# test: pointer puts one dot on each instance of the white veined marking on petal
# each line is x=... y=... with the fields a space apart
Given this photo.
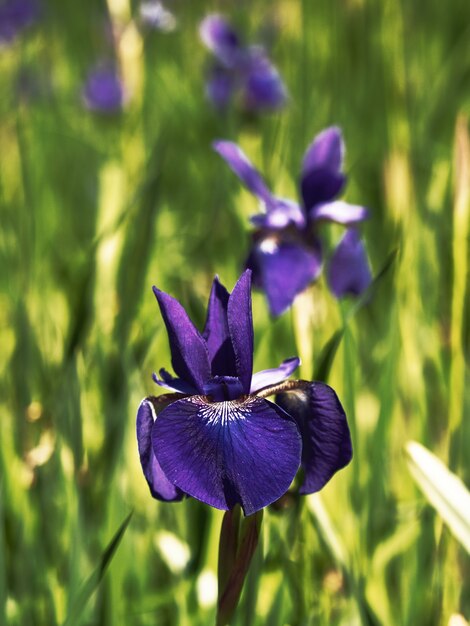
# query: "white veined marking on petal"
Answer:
x=222 y=412
x=152 y=409
x=268 y=246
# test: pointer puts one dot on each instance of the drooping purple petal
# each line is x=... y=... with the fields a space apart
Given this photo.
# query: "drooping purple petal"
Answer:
x=243 y=168
x=189 y=355
x=103 y=90
x=340 y=212
x=228 y=452
x=160 y=487
x=168 y=381
x=322 y=178
x=217 y=34
x=263 y=87
x=216 y=332
x=275 y=375
x=240 y=324
x=326 y=442
x=220 y=86
x=280 y=213
x=284 y=269
x=349 y=272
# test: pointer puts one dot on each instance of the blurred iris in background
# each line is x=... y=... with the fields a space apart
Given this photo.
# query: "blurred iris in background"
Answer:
x=156 y=16
x=103 y=90
x=16 y=16
x=286 y=255
x=217 y=437
x=239 y=72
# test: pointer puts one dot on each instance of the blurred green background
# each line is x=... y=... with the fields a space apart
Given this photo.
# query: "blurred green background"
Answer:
x=96 y=209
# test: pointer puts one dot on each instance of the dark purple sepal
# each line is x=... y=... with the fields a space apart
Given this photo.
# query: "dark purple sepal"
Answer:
x=320 y=186
x=189 y=355
x=221 y=39
x=220 y=86
x=349 y=272
x=284 y=269
x=243 y=168
x=245 y=451
x=160 y=486
x=326 y=441
x=240 y=324
x=216 y=332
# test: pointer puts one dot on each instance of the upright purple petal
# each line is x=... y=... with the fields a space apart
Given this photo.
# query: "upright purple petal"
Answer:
x=189 y=355
x=340 y=212
x=325 y=434
x=216 y=332
x=349 y=272
x=283 y=269
x=226 y=453
x=264 y=88
x=280 y=213
x=322 y=178
x=159 y=485
x=217 y=34
x=240 y=164
x=240 y=324
x=275 y=375
x=173 y=384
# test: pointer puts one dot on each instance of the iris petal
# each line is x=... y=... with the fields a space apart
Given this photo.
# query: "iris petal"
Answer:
x=159 y=485
x=340 y=212
x=221 y=39
x=220 y=86
x=243 y=168
x=189 y=355
x=216 y=332
x=240 y=323
x=325 y=434
x=280 y=213
x=224 y=453
x=263 y=87
x=265 y=378
x=349 y=272
x=284 y=269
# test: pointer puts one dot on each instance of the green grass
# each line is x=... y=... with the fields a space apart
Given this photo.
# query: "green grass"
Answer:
x=95 y=210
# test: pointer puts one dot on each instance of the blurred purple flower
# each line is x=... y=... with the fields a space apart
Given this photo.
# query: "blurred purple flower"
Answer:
x=154 y=15
x=286 y=255
x=16 y=16
x=217 y=438
x=238 y=70
x=103 y=90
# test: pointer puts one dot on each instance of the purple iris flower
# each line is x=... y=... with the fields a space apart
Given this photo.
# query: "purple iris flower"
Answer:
x=217 y=437
x=103 y=90
x=15 y=16
x=239 y=71
x=286 y=255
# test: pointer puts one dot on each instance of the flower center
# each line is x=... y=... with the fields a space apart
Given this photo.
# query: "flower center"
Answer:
x=222 y=388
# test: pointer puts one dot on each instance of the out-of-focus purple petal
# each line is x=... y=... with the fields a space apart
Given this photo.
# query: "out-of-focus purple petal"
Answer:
x=217 y=34
x=15 y=16
x=284 y=269
x=264 y=378
x=154 y=15
x=349 y=272
x=280 y=213
x=243 y=168
x=263 y=87
x=325 y=434
x=340 y=212
x=220 y=86
x=160 y=486
x=173 y=384
x=225 y=453
x=189 y=355
x=216 y=332
x=240 y=324
x=322 y=178
x=104 y=91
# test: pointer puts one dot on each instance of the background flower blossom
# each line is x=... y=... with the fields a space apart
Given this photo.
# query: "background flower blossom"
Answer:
x=286 y=255
x=16 y=16
x=239 y=71
x=103 y=90
x=217 y=437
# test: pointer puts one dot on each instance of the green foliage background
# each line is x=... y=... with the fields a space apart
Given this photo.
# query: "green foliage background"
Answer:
x=96 y=209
